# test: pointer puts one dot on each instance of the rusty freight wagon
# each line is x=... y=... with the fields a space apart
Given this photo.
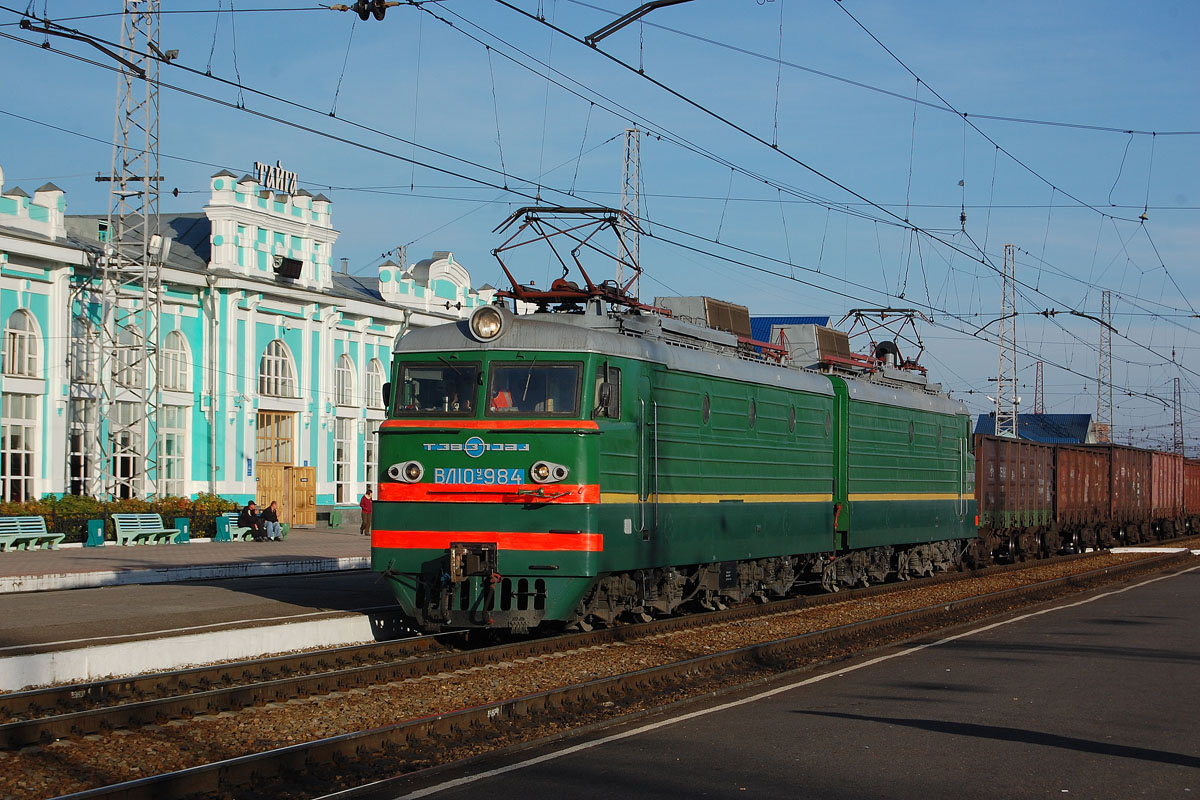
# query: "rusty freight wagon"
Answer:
x=1132 y=472
x=1082 y=498
x=1014 y=486
x=1166 y=494
x=1191 y=494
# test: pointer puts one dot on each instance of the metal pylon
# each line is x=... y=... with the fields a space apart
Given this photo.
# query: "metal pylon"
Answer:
x=1104 y=404
x=1039 y=395
x=116 y=309
x=1006 y=389
x=1178 y=425
x=631 y=179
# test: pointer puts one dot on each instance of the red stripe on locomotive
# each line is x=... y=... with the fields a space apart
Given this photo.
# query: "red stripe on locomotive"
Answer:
x=505 y=540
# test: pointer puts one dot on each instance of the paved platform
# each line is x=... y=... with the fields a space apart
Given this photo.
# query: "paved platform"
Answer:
x=87 y=613
x=1094 y=697
x=320 y=549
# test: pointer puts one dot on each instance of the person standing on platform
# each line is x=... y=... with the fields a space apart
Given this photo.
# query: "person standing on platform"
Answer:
x=249 y=519
x=270 y=521
x=365 y=505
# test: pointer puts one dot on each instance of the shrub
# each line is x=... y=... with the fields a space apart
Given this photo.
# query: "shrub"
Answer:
x=70 y=514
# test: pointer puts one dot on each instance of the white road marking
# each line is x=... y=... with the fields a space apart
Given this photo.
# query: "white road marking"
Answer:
x=469 y=779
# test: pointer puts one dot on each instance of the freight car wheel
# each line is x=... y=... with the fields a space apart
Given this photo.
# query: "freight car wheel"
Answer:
x=1087 y=540
x=1027 y=545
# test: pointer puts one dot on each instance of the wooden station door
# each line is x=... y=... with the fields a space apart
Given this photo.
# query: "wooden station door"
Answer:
x=304 y=496
x=294 y=488
x=274 y=483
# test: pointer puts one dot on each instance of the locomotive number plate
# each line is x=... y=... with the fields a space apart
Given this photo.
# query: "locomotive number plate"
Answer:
x=489 y=476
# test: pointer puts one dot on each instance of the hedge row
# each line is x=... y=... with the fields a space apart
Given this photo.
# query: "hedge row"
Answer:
x=70 y=514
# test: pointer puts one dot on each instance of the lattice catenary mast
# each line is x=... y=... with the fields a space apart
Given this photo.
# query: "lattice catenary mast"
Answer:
x=1006 y=389
x=1178 y=425
x=1039 y=395
x=117 y=310
x=631 y=180
x=1104 y=404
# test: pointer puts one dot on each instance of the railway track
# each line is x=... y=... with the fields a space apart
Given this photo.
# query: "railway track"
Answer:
x=451 y=730
x=41 y=716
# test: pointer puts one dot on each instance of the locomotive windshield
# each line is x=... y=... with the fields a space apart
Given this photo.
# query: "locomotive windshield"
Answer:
x=537 y=389
x=438 y=388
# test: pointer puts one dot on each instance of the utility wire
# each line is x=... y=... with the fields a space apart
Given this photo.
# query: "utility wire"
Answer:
x=859 y=84
x=380 y=151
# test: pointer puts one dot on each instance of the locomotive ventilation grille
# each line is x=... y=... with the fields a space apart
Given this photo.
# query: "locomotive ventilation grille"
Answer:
x=511 y=594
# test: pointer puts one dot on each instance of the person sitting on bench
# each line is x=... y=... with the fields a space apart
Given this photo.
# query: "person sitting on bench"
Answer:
x=270 y=521
x=249 y=518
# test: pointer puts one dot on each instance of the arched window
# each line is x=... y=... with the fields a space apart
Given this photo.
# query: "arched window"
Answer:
x=275 y=371
x=176 y=363
x=375 y=384
x=128 y=358
x=21 y=346
x=343 y=382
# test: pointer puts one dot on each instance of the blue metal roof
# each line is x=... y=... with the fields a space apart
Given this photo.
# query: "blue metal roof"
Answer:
x=1048 y=428
x=760 y=327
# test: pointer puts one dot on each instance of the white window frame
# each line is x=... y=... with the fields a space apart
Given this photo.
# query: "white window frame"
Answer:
x=276 y=371
x=343 y=459
x=85 y=351
x=173 y=436
x=344 y=381
x=126 y=452
x=127 y=359
x=18 y=426
x=370 y=453
x=176 y=363
x=21 y=345
x=81 y=458
x=375 y=381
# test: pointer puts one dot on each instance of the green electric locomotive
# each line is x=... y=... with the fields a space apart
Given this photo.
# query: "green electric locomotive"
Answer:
x=598 y=458
x=574 y=467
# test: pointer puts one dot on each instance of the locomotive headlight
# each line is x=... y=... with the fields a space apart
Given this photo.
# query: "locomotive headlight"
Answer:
x=487 y=322
x=548 y=472
x=409 y=471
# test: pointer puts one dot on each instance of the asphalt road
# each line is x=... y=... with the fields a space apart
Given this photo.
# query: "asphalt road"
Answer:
x=1095 y=698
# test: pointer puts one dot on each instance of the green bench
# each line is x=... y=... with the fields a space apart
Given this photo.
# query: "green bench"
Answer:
x=27 y=533
x=229 y=531
x=143 y=529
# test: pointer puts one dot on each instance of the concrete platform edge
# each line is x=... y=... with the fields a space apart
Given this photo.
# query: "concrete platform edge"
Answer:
x=150 y=655
x=198 y=572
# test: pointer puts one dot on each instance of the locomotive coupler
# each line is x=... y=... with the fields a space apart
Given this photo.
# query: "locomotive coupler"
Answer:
x=468 y=559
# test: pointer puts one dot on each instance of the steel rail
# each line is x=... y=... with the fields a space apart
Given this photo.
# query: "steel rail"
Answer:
x=502 y=719
x=84 y=709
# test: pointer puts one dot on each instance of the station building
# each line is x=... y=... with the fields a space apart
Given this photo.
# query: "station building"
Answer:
x=271 y=378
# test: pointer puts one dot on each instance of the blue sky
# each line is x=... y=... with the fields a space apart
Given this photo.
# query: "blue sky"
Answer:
x=806 y=245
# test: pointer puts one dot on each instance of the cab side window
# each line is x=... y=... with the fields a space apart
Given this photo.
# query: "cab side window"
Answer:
x=607 y=397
